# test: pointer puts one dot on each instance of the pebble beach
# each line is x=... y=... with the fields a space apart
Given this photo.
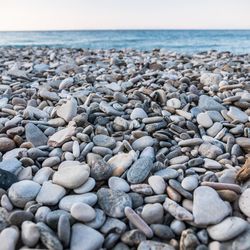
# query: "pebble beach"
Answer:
x=124 y=149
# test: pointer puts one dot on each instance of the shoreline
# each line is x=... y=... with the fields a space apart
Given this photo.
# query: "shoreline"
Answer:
x=124 y=149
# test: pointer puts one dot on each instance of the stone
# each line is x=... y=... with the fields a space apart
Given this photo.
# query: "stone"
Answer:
x=177 y=211
x=154 y=245
x=153 y=213
x=162 y=231
x=190 y=182
x=88 y=237
x=139 y=171
x=157 y=183
x=17 y=217
x=7 y=179
x=208 y=208
x=86 y=187
x=50 y=193
x=6 y=144
x=244 y=143
x=30 y=233
x=167 y=173
x=82 y=212
x=177 y=226
x=108 y=109
x=237 y=114
x=215 y=129
x=209 y=150
x=211 y=164
x=190 y=142
x=143 y=142
x=35 y=135
x=48 y=237
x=116 y=183
x=138 y=113
x=208 y=103
x=67 y=201
x=68 y=110
x=174 y=103
x=210 y=79
x=98 y=221
x=244 y=202
x=113 y=202
x=227 y=229
x=71 y=174
x=66 y=83
x=22 y=192
x=11 y=165
x=64 y=230
x=133 y=237
x=61 y=136
x=9 y=238
x=204 y=120
x=104 y=141
x=100 y=170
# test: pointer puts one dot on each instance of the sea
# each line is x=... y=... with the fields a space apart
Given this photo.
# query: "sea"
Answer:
x=188 y=41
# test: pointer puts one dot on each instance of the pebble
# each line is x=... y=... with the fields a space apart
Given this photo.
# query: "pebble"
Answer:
x=35 y=135
x=204 y=120
x=68 y=110
x=22 y=192
x=153 y=213
x=119 y=184
x=100 y=170
x=6 y=144
x=143 y=142
x=139 y=171
x=6 y=179
x=50 y=193
x=237 y=114
x=86 y=187
x=204 y=213
x=174 y=103
x=153 y=245
x=113 y=202
x=244 y=202
x=82 y=212
x=30 y=233
x=227 y=229
x=138 y=113
x=71 y=174
x=88 y=237
x=64 y=230
x=157 y=183
x=9 y=238
x=190 y=182
x=104 y=141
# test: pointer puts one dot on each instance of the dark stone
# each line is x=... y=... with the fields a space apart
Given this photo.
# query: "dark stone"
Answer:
x=6 y=179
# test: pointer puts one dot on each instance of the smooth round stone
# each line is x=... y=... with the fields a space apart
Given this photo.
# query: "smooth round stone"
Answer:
x=86 y=187
x=67 y=201
x=215 y=116
x=143 y=142
x=22 y=192
x=209 y=150
x=30 y=234
x=119 y=184
x=100 y=170
x=6 y=144
x=113 y=202
x=53 y=217
x=137 y=199
x=17 y=217
x=204 y=120
x=209 y=103
x=237 y=114
x=227 y=229
x=153 y=245
x=162 y=231
x=138 y=113
x=179 y=160
x=8 y=238
x=35 y=135
x=139 y=171
x=211 y=164
x=11 y=165
x=68 y=110
x=42 y=213
x=99 y=219
x=190 y=182
x=133 y=237
x=215 y=129
x=7 y=179
x=148 y=152
x=104 y=141
x=82 y=212
x=64 y=230
x=153 y=213
x=227 y=195
x=51 y=161
x=190 y=142
x=157 y=183
x=50 y=194
x=244 y=202
x=43 y=175
x=167 y=173
x=71 y=174
x=208 y=207
x=5 y=202
x=174 y=103
x=210 y=79
x=177 y=226
x=88 y=237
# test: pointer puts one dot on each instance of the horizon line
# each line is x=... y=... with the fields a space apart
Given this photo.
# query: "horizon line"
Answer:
x=131 y=29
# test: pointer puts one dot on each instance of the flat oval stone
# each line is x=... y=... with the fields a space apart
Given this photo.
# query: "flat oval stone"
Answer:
x=30 y=233
x=88 y=237
x=174 y=103
x=82 y=212
x=153 y=213
x=22 y=192
x=190 y=182
x=153 y=245
x=64 y=230
x=143 y=142
x=138 y=113
x=204 y=120
x=68 y=110
x=113 y=202
x=244 y=202
x=104 y=141
x=6 y=144
x=227 y=229
x=116 y=183
x=86 y=187
x=157 y=183
x=98 y=221
x=9 y=238
x=17 y=217
x=139 y=171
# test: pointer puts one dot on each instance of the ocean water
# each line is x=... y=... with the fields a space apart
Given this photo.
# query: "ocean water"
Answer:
x=236 y=41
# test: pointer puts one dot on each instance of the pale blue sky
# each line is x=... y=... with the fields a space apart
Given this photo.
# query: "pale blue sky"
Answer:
x=124 y=14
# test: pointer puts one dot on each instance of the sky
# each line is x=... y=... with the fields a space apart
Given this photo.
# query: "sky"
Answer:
x=123 y=14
